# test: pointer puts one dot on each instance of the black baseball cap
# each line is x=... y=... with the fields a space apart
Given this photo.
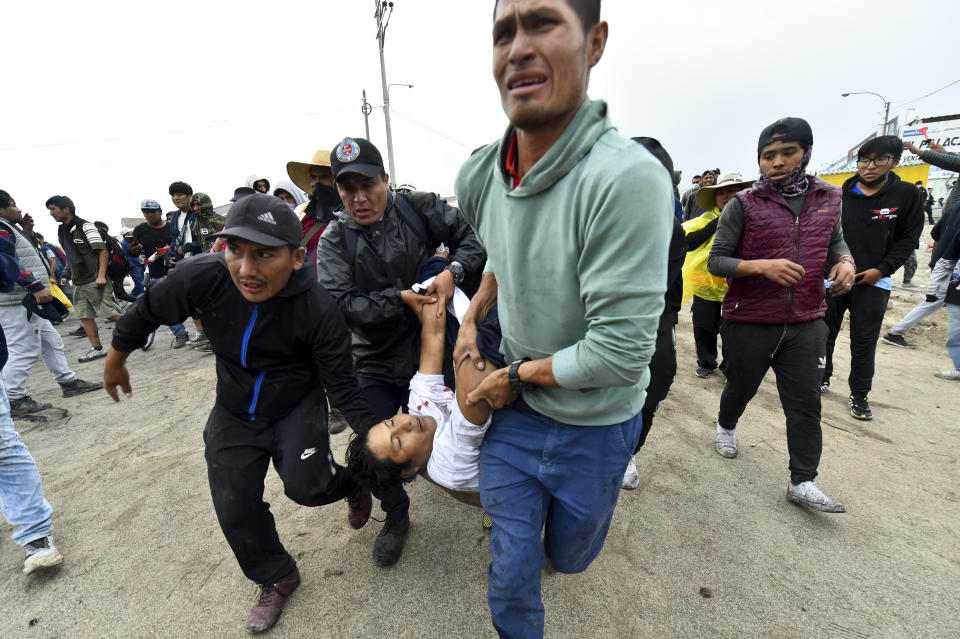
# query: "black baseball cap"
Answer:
x=786 y=130
x=356 y=155
x=263 y=219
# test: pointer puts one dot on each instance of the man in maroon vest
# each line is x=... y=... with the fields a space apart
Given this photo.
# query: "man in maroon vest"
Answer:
x=772 y=244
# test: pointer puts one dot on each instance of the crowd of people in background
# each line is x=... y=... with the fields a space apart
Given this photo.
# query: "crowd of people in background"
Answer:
x=334 y=288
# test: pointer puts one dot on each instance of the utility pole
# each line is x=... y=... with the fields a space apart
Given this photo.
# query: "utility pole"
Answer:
x=366 y=109
x=383 y=11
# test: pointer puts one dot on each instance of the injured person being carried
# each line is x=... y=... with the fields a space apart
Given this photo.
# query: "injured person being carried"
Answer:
x=440 y=435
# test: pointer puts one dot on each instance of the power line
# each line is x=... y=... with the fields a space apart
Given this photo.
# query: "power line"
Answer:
x=903 y=104
x=432 y=130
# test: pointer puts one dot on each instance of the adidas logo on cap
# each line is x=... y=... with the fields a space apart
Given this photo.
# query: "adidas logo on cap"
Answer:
x=267 y=217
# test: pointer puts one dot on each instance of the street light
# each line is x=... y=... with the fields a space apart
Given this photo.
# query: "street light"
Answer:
x=886 y=106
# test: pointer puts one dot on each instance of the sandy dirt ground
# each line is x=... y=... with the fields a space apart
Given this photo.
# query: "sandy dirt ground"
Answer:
x=144 y=556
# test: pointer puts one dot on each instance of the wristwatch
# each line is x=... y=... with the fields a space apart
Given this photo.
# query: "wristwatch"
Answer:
x=513 y=376
x=457 y=270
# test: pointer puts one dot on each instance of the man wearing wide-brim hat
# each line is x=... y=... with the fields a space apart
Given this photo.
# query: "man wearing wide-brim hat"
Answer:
x=707 y=290
x=315 y=178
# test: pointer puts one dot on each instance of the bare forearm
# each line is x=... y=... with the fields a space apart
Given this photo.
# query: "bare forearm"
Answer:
x=538 y=372
x=483 y=301
x=103 y=258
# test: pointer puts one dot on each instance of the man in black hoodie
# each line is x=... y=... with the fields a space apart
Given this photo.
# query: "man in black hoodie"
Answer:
x=882 y=219
x=280 y=342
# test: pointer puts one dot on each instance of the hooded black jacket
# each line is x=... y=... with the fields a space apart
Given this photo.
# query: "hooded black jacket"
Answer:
x=386 y=334
x=882 y=229
x=269 y=355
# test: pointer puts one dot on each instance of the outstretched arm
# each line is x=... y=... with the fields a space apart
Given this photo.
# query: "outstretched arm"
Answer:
x=433 y=321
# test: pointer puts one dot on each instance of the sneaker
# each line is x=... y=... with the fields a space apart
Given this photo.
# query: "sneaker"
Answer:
x=92 y=354
x=860 y=408
x=726 y=442
x=40 y=553
x=908 y=285
x=199 y=338
x=79 y=332
x=896 y=340
x=953 y=373
x=150 y=338
x=825 y=386
x=704 y=373
x=631 y=478
x=360 y=506
x=389 y=543
x=486 y=522
x=807 y=494
x=269 y=602
x=179 y=341
x=205 y=347
x=79 y=387
x=26 y=405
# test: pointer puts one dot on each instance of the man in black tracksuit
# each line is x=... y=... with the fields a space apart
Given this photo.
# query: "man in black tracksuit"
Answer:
x=280 y=343
x=368 y=259
x=882 y=220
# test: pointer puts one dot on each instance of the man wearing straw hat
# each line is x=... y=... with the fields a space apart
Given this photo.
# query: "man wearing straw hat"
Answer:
x=316 y=179
x=707 y=290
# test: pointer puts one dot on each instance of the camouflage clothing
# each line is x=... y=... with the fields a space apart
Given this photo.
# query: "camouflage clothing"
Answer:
x=206 y=221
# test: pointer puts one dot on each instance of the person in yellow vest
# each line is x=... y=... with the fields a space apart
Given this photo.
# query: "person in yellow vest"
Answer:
x=707 y=290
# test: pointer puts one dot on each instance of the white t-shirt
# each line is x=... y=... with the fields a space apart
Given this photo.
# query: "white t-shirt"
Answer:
x=455 y=461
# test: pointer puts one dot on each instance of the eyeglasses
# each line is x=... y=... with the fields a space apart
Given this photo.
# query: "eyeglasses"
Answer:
x=880 y=161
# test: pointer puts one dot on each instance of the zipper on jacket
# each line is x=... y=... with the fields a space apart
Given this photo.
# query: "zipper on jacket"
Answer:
x=244 y=344
x=796 y=260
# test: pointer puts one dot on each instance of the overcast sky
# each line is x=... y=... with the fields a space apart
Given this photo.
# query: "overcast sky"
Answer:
x=108 y=102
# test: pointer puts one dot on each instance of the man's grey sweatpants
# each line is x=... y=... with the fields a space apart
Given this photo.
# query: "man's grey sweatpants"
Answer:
x=916 y=314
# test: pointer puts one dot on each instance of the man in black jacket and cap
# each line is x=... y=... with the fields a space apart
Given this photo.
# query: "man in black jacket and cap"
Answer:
x=368 y=259
x=280 y=342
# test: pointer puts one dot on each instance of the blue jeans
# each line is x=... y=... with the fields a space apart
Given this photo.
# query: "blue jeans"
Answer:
x=136 y=274
x=21 y=495
x=953 y=333
x=539 y=474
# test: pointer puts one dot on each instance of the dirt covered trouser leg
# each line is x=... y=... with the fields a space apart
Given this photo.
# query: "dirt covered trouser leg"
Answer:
x=797 y=354
x=238 y=452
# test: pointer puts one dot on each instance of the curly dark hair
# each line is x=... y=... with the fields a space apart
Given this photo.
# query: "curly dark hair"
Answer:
x=374 y=473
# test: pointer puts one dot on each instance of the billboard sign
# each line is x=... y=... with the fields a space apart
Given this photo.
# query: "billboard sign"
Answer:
x=946 y=134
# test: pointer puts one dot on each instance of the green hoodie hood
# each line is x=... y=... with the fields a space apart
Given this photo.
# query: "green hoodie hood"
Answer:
x=577 y=140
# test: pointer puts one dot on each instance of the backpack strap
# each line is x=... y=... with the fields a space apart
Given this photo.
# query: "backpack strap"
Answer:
x=413 y=219
x=350 y=238
x=312 y=232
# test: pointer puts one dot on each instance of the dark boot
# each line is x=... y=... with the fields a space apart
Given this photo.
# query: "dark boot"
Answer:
x=389 y=543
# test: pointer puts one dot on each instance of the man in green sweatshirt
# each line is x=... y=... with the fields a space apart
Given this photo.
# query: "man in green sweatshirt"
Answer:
x=576 y=220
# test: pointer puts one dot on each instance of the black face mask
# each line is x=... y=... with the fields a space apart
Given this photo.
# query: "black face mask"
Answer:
x=872 y=183
x=323 y=203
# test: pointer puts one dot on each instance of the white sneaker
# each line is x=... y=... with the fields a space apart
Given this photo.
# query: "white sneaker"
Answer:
x=40 y=553
x=631 y=478
x=953 y=374
x=807 y=494
x=92 y=354
x=726 y=442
